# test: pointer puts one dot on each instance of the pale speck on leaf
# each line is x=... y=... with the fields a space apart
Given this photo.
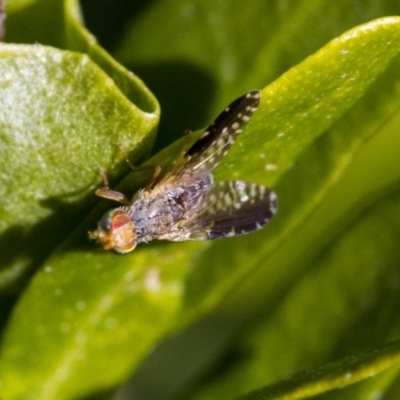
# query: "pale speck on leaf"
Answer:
x=129 y=276
x=152 y=280
x=80 y=338
x=80 y=305
x=271 y=167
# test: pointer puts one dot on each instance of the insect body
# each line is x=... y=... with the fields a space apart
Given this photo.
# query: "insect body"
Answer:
x=185 y=203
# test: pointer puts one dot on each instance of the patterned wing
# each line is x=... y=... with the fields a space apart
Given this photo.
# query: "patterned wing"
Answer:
x=211 y=148
x=232 y=208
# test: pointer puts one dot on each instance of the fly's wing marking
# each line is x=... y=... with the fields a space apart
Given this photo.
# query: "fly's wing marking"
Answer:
x=211 y=148
x=232 y=208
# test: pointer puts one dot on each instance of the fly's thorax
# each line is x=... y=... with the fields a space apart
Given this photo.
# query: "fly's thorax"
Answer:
x=155 y=216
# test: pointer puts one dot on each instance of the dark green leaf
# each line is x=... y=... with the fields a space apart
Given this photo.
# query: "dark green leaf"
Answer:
x=34 y=21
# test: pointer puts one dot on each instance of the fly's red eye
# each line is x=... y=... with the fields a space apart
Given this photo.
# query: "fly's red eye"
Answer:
x=118 y=219
x=117 y=231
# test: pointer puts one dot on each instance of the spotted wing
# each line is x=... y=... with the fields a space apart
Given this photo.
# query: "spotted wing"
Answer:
x=232 y=208
x=211 y=148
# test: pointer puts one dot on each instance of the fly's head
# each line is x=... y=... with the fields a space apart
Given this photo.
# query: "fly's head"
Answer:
x=116 y=231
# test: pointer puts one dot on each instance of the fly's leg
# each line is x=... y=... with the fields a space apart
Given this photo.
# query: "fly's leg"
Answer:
x=106 y=193
x=156 y=168
x=186 y=144
x=154 y=177
x=125 y=156
x=183 y=157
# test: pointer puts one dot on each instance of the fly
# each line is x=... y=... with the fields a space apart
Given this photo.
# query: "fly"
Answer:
x=186 y=203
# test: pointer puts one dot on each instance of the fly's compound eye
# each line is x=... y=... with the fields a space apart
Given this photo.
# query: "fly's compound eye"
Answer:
x=116 y=231
x=106 y=219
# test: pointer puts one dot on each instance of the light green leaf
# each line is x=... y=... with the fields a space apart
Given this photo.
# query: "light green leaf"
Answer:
x=60 y=120
x=333 y=376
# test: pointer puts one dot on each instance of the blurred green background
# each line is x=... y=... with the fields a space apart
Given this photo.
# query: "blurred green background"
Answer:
x=307 y=307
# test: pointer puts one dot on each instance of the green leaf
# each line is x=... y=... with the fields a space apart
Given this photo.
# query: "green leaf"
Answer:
x=60 y=120
x=96 y=315
x=335 y=375
x=34 y=21
x=39 y=21
x=336 y=299
x=80 y=39
x=107 y=320
x=221 y=50
x=277 y=135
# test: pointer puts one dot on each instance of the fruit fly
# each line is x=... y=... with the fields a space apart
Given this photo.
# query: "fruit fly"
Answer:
x=186 y=203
